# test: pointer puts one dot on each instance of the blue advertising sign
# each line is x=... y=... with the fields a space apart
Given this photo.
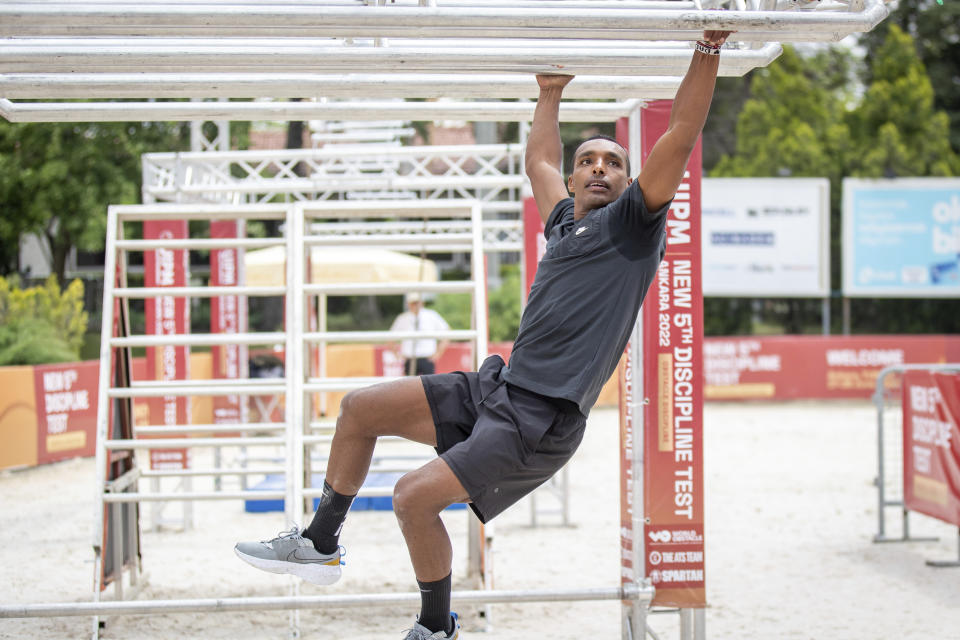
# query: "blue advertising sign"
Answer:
x=901 y=237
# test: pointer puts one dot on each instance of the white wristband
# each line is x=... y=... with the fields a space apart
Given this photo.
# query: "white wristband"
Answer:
x=707 y=48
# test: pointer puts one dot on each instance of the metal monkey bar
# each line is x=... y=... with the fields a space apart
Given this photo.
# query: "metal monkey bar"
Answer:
x=424 y=49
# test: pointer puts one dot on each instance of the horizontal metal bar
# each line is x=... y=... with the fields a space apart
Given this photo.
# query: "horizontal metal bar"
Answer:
x=205 y=382
x=199 y=243
x=189 y=497
x=189 y=390
x=233 y=471
x=142 y=607
x=302 y=85
x=270 y=110
x=175 y=443
x=432 y=151
x=139 y=213
x=385 y=21
x=413 y=239
x=322 y=182
x=389 y=288
x=155 y=430
x=197 y=292
x=342 y=384
x=199 y=339
x=387 y=336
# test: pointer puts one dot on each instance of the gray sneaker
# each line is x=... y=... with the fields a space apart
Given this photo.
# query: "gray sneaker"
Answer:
x=420 y=632
x=291 y=553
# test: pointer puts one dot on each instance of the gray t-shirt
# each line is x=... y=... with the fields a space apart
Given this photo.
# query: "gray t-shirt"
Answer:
x=586 y=296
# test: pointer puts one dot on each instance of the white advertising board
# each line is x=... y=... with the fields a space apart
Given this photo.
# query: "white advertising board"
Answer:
x=766 y=237
x=901 y=237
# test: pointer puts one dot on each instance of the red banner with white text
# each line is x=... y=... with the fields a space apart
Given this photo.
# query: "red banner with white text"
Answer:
x=673 y=387
x=931 y=444
x=167 y=315
x=802 y=367
x=228 y=314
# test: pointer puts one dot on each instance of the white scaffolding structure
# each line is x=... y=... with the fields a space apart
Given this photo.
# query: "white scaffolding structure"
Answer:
x=303 y=430
x=316 y=50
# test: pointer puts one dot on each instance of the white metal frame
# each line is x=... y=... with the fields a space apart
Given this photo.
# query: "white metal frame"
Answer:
x=299 y=433
x=455 y=48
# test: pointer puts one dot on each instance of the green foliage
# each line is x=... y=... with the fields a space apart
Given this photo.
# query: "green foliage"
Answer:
x=935 y=30
x=895 y=126
x=504 y=305
x=57 y=179
x=41 y=324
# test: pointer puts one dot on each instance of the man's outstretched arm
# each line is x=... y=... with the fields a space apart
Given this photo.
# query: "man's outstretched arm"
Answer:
x=663 y=169
x=544 y=156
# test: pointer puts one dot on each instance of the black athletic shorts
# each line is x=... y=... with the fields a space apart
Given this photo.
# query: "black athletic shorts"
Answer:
x=501 y=441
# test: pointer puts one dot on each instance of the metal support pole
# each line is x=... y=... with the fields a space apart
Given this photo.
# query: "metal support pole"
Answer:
x=825 y=315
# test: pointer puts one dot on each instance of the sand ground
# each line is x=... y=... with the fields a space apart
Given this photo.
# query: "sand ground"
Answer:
x=790 y=513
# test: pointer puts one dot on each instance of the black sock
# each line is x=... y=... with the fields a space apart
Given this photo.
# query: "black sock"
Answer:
x=324 y=531
x=435 y=605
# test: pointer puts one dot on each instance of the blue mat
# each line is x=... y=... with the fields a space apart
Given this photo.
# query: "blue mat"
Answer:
x=275 y=482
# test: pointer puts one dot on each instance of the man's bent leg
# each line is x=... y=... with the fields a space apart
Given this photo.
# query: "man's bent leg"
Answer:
x=418 y=499
x=397 y=408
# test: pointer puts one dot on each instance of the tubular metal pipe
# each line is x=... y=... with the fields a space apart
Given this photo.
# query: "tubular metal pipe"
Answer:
x=184 y=390
x=198 y=292
x=189 y=111
x=196 y=244
x=174 y=443
x=385 y=21
x=198 y=339
x=189 y=497
x=389 y=288
x=41 y=56
x=51 y=610
x=387 y=336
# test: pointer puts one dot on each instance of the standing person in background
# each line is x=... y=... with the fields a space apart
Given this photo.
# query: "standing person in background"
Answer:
x=420 y=356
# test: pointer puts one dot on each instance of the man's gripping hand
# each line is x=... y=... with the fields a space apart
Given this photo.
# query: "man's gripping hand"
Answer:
x=716 y=37
x=553 y=81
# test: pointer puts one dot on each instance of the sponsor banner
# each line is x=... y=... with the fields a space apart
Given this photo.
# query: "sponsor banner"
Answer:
x=901 y=237
x=534 y=244
x=228 y=314
x=931 y=444
x=167 y=315
x=820 y=367
x=766 y=237
x=672 y=382
x=66 y=400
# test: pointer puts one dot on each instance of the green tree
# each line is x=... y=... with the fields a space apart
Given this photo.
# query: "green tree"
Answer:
x=41 y=324
x=935 y=29
x=896 y=128
x=57 y=179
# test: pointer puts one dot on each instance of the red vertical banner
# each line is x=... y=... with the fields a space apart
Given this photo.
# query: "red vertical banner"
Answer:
x=931 y=444
x=673 y=386
x=167 y=315
x=228 y=314
x=534 y=243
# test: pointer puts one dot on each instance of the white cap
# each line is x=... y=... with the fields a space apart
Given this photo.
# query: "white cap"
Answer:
x=413 y=297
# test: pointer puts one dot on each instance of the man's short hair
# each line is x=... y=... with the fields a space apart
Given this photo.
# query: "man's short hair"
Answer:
x=626 y=155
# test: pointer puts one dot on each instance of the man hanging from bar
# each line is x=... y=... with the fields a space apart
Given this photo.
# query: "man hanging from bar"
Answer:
x=504 y=430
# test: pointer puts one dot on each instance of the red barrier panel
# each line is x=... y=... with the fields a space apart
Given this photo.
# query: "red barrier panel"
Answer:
x=66 y=401
x=813 y=367
x=931 y=444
